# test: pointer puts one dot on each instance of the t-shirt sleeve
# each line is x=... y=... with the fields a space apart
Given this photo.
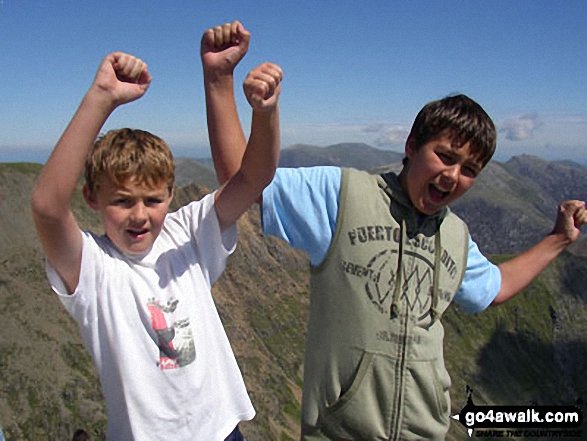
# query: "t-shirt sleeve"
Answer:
x=80 y=304
x=481 y=283
x=301 y=207
x=213 y=246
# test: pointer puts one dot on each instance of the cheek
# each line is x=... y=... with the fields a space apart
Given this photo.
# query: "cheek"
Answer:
x=112 y=218
x=158 y=217
x=420 y=177
x=427 y=168
x=465 y=184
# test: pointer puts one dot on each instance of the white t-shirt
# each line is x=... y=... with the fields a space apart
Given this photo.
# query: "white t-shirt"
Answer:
x=166 y=366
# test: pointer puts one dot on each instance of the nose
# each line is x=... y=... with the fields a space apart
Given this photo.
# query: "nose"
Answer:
x=450 y=176
x=138 y=213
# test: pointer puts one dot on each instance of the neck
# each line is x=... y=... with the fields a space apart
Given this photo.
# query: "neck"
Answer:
x=403 y=179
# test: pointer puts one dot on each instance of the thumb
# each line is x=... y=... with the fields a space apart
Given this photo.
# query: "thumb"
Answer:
x=580 y=216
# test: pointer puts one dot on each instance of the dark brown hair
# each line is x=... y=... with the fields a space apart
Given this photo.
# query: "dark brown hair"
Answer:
x=462 y=120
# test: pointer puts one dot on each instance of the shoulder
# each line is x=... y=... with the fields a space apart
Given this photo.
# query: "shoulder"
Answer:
x=454 y=222
x=196 y=225
x=205 y=203
x=361 y=179
x=187 y=217
x=306 y=185
x=97 y=251
x=308 y=174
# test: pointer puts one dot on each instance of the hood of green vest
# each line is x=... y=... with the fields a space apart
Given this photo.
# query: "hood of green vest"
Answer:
x=403 y=210
x=413 y=223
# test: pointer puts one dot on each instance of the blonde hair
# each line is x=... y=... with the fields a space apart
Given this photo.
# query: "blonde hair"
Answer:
x=125 y=155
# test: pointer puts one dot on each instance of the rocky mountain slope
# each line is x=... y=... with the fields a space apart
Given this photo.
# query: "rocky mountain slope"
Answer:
x=514 y=204
x=188 y=170
x=531 y=350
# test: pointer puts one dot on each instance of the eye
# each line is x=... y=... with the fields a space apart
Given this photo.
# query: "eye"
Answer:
x=445 y=158
x=469 y=171
x=122 y=201
x=153 y=201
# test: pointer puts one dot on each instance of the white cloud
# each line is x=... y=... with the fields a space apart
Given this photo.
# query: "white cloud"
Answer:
x=384 y=136
x=388 y=135
x=521 y=127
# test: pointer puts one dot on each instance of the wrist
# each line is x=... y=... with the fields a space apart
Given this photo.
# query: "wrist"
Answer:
x=100 y=99
x=218 y=79
x=266 y=111
x=558 y=241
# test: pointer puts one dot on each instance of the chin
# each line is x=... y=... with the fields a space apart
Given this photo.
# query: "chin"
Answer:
x=133 y=249
x=431 y=210
x=143 y=248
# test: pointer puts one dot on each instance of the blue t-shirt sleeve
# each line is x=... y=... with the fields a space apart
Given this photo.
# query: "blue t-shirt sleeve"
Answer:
x=301 y=206
x=481 y=283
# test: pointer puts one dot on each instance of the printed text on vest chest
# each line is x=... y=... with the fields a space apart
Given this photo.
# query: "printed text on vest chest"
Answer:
x=373 y=262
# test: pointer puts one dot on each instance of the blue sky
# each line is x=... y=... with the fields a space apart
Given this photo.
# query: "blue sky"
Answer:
x=355 y=71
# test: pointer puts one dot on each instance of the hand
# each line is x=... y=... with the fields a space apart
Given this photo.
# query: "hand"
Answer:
x=571 y=217
x=122 y=77
x=223 y=47
x=262 y=86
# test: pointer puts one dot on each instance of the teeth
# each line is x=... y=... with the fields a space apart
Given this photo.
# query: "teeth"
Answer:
x=439 y=192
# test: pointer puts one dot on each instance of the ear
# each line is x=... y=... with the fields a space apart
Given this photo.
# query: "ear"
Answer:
x=410 y=148
x=90 y=198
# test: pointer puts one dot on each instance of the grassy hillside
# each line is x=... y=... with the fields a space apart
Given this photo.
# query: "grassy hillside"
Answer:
x=48 y=387
x=531 y=350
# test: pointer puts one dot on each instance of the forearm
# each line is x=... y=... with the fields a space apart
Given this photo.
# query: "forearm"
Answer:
x=518 y=272
x=262 y=152
x=57 y=183
x=227 y=139
x=256 y=171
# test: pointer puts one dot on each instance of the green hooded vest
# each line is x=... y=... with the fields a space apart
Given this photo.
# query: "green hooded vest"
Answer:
x=374 y=366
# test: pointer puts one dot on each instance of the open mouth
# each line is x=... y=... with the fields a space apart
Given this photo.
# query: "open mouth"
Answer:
x=437 y=195
x=137 y=234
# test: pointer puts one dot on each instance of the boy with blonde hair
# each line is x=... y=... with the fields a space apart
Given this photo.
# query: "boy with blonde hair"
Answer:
x=141 y=293
x=387 y=258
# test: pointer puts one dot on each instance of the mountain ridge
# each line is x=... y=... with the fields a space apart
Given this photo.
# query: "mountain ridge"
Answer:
x=357 y=155
x=531 y=350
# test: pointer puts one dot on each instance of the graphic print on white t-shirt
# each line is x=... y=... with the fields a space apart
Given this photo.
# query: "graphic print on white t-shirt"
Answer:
x=174 y=336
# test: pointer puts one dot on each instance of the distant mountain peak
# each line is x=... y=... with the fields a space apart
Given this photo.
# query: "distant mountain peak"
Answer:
x=346 y=154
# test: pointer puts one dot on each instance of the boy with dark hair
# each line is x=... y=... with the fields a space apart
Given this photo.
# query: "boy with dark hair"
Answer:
x=141 y=293
x=387 y=258
x=462 y=119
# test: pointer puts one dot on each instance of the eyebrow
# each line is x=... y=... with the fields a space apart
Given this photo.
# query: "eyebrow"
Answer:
x=473 y=159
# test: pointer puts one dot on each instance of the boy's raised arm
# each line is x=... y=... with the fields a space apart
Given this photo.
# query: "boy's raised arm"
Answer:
x=518 y=272
x=262 y=88
x=221 y=50
x=121 y=78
